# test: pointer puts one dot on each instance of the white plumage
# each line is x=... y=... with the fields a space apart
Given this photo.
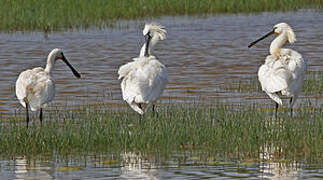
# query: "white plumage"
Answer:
x=145 y=78
x=35 y=88
x=284 y=69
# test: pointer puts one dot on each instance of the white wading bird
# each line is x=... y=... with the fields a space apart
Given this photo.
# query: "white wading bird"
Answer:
x=35 y=88
x=284 y=69
x=145 y=78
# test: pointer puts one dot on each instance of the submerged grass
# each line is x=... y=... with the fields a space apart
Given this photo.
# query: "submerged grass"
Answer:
x=220 y=130
x=47 y=15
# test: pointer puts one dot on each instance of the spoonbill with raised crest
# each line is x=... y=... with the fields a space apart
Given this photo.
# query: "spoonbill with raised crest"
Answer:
x=284 y=69
x=145 y=78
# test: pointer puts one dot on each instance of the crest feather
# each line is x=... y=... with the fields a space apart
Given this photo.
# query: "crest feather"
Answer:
x=156 y=30
x=290 y=33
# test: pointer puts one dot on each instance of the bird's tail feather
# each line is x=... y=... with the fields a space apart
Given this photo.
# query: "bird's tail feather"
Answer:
x=135 y=107
x=276 y=98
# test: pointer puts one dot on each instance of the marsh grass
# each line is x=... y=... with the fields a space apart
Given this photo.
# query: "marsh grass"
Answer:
x=213 y=131
x=47 y=15
x=210 y=130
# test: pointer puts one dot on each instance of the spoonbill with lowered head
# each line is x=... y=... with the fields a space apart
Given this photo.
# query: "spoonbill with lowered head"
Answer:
x=284 y=69
x=35 y=88
x=145 y=78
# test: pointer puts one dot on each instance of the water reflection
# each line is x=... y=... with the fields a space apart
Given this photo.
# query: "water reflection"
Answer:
x=277 y=170
x=136 y=166
x=272 y=168
x=202 y=54
x=25 y=169
x=133 y=165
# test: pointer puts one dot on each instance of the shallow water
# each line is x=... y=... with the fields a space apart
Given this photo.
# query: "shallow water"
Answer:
x=202 y=54
x=137 y=166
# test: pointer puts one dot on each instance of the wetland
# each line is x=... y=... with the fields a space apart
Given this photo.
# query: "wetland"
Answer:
x=213 y=119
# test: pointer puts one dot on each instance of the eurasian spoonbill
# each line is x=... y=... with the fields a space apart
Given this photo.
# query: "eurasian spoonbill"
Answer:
x=35 y=88
x=145 y=78
x=284 y=69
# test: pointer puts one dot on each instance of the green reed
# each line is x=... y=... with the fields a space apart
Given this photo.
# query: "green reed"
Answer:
x=221 y=130
x=47 y=15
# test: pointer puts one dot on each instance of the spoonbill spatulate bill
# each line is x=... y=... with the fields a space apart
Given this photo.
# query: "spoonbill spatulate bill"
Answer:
x=35 y=88
x=144 y=79
x=284 y=69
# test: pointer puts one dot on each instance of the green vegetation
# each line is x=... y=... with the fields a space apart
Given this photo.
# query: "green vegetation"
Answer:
x=48 y=15
x=313 y=83
x=210 y=132
x=218 y=130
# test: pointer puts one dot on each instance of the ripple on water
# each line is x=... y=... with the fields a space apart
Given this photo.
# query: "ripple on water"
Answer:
x=201 y=54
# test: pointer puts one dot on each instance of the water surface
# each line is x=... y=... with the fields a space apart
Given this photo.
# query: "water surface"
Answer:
x=136 y=166
x=201 y=54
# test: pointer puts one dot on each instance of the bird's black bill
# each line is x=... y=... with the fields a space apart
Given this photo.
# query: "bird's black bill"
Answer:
x=263 y=37
x=76 y=74
x=148 y=37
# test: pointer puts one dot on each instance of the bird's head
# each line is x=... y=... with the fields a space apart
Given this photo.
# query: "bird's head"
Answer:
x=153 y=33
x=279 y=29
x=59 y=55
x=155 y=30
x=285 y=28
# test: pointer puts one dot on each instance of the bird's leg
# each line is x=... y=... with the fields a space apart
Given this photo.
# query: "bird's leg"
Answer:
x=27 y=114
x=154 y=111
x=291 y=108
x=276 y=110
x=140 y=115
x=41 y=116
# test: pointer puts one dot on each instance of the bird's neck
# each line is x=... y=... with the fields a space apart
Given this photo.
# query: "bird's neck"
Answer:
x=151 y=44
x=142 y=51
x=277 y=43
x=50 y=64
